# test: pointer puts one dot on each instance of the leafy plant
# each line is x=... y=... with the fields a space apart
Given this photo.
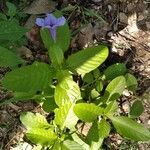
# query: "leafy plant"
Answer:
x=56 y=86
x=11 y=33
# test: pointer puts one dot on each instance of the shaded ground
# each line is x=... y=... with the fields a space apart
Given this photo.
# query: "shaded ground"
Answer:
x=123 y=25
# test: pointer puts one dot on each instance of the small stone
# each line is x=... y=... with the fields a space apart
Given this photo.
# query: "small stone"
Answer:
x=126 y=93
x=119 y=142
x=140 y=17
x=109 y=8
x=147 y=69
x=123 y=18
x=125 y=108
x=141 y=68
x=110 y=34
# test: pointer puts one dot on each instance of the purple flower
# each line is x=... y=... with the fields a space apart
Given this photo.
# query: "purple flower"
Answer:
x=51 y=22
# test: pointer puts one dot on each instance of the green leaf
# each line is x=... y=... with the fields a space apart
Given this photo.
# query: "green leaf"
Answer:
x=66 y=90
x=38 y=129
x=114 y=71
x=97 y=133
x=8 y=58
x=10 y=30
x=104 y=128
x=49 y=105
x=96 y=73
x=94 y=94
x=18 y=96
x=130 y=129
x=77 y=138
x=88 y=78
x=88 y=59
x=45 y=137
x=62 y=40
x=131 y=82
x=115 y=88
x=3 y=16
x=99 y=86
x=65 y=117
x=111 y=108
x=30 y=78
x=57 y=145
x=31 y=120
x=136 y=109
x=56 y=55
x=11 y=9
x=93 y=134
x=87 y=112
x=71 y=145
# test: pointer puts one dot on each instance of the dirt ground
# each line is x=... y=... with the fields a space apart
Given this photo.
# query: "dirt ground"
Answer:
x=123 y=25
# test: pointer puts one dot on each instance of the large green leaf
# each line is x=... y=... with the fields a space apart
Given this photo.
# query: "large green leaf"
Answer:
x=71 y=145
x=115 y=70
x=130 y=129
x=131 y=82
x=10 y=30
x=115 y=88
x=88 y=59
x=136 y=109
x=66 y=90
x=65 y=117
x=38 y=129
x=45 y=137
x=87 y=112
x=30 y=78
x=8 y=58
x=31 y=120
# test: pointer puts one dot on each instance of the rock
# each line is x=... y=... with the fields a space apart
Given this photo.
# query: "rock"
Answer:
x=85 y=37
x=100 y=30
x=141 y=17
x=123 y=18
x=40 y=7
x=126 y=93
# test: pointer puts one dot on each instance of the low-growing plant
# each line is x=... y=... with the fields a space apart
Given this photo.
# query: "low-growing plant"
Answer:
x=12 y=35
x=76 y=91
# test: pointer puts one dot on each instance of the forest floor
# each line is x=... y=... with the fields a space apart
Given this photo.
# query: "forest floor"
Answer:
x=123 y=25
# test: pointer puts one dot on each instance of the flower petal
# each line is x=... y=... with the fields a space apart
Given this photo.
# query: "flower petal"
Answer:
x=40 y=22
x=60 y=21
x=53 y=33
x=50 y=19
